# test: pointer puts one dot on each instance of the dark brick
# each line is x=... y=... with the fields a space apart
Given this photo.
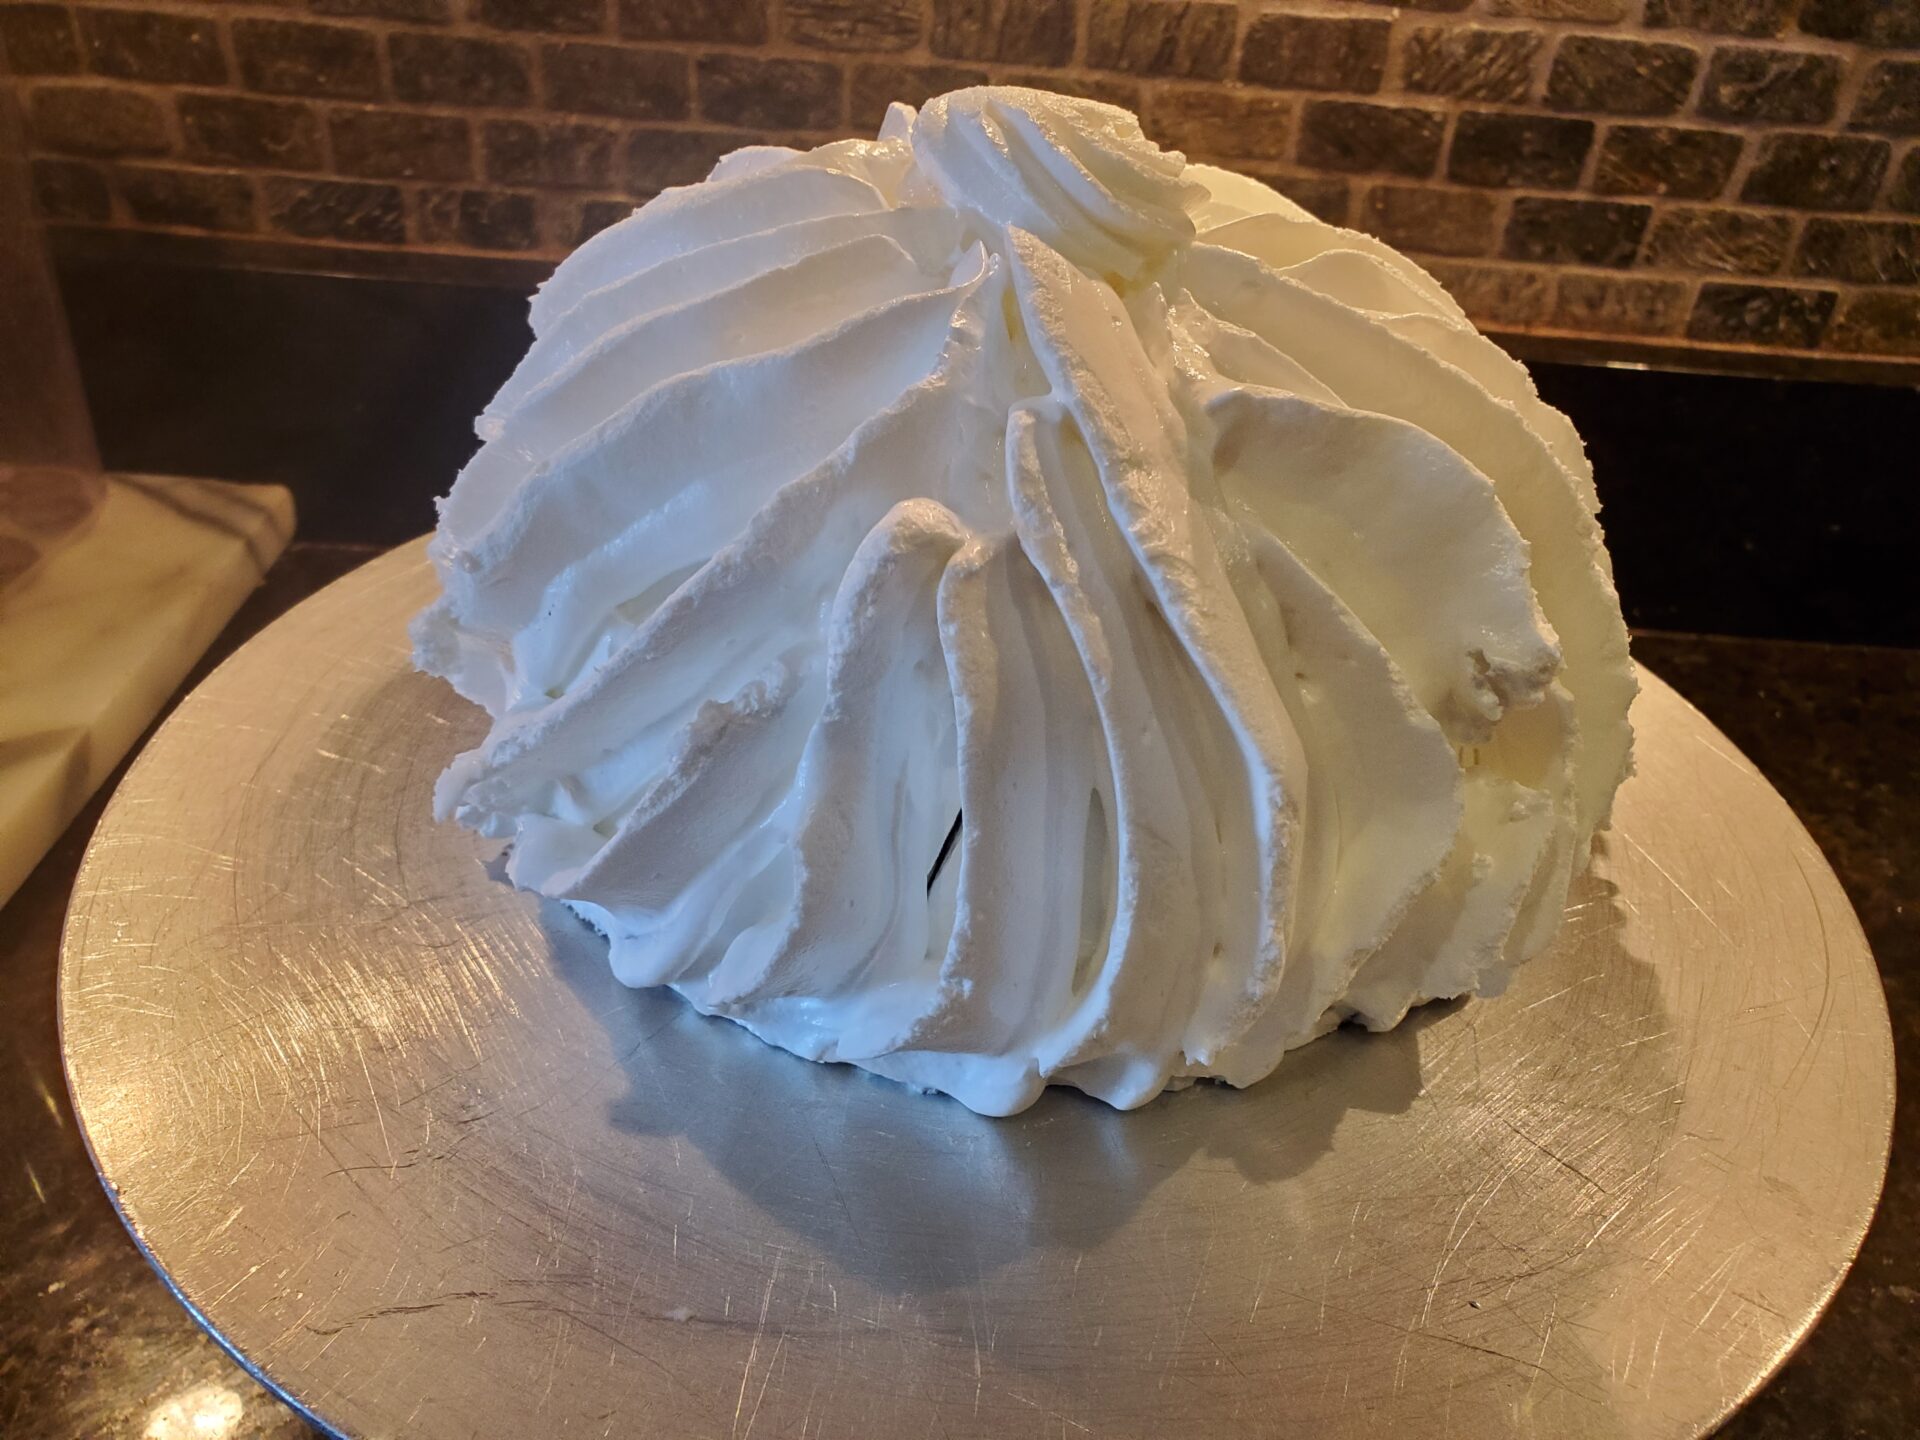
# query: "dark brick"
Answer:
x=1532 y=150
x=657 y=159
x=563 y=153
x=1594 y=12
x=191 y=199
x=595 y=216
x=1665 y=160
x=336 y=210
x=1816 y=172
x=769 y=94
x=1104 y=88
x=1873 y=22
x=1575 y=232
x=557 y=218
x=1432 y=222
x=420 y=12
x=1321 y=195
x=567 y=221
x=1733 y=242
x=1879 y=322
x=1208 y=122
x=1193 y=38
x=1760 y=315
x=457 y=70
x=1353 y=135
x=1315 y=52
x=143 y=45
x=1864 y=251
x=730 y=22
x=1606 y=305
x=1904 y=194
x=478 y=219
x=1620 y=77
x=237 y=129
x=1470 y=64
x=613 y=80
x=70 y=190
x=290 y=57
x=1497 y=296
x=97 y=120
x=401 y=145
x=1758 y=19
x=1776 y=85
x=548 y=17
x=1025 y=32
x=876 y=86
x=854 y=24
x=38 y=40
x=1890 y=102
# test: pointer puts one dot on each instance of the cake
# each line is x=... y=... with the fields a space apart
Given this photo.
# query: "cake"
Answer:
x=1000 y=605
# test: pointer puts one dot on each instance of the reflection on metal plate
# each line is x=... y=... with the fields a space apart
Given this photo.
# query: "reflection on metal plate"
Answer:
x=393 y=1130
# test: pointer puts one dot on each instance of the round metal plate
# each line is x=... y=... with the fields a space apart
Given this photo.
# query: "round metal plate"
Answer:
x=395 y=1134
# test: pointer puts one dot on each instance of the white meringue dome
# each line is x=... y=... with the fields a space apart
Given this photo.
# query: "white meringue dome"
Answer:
x=1247 y=604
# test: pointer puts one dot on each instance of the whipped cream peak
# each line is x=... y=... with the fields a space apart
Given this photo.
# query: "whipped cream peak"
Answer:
x=1078 y=175
x=1000 y=606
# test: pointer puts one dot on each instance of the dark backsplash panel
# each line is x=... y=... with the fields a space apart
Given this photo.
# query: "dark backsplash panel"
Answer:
x=1733 y=505
x=359 y=395
x=1738 y=506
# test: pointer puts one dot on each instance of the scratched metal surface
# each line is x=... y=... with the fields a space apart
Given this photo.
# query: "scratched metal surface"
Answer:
x=395 y=1133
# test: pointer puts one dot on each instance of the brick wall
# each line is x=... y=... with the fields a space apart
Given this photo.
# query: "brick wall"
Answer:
x=1700 y=174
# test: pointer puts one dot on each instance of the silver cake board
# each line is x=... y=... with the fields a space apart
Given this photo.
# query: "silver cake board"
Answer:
x=398 y=1138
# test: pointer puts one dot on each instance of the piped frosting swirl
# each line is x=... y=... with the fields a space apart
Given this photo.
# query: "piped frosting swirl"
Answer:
x=999 y=605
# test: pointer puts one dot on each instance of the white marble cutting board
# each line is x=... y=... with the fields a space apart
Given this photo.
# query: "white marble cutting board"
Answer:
x=95 y=640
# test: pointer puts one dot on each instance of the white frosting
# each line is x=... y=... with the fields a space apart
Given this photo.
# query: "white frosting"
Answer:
x=1248 y=605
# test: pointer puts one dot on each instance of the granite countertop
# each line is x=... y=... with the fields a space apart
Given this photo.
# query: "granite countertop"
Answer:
x=92 y=1343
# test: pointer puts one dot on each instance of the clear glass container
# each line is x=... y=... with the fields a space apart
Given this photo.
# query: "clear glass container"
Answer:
x=50 y=480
